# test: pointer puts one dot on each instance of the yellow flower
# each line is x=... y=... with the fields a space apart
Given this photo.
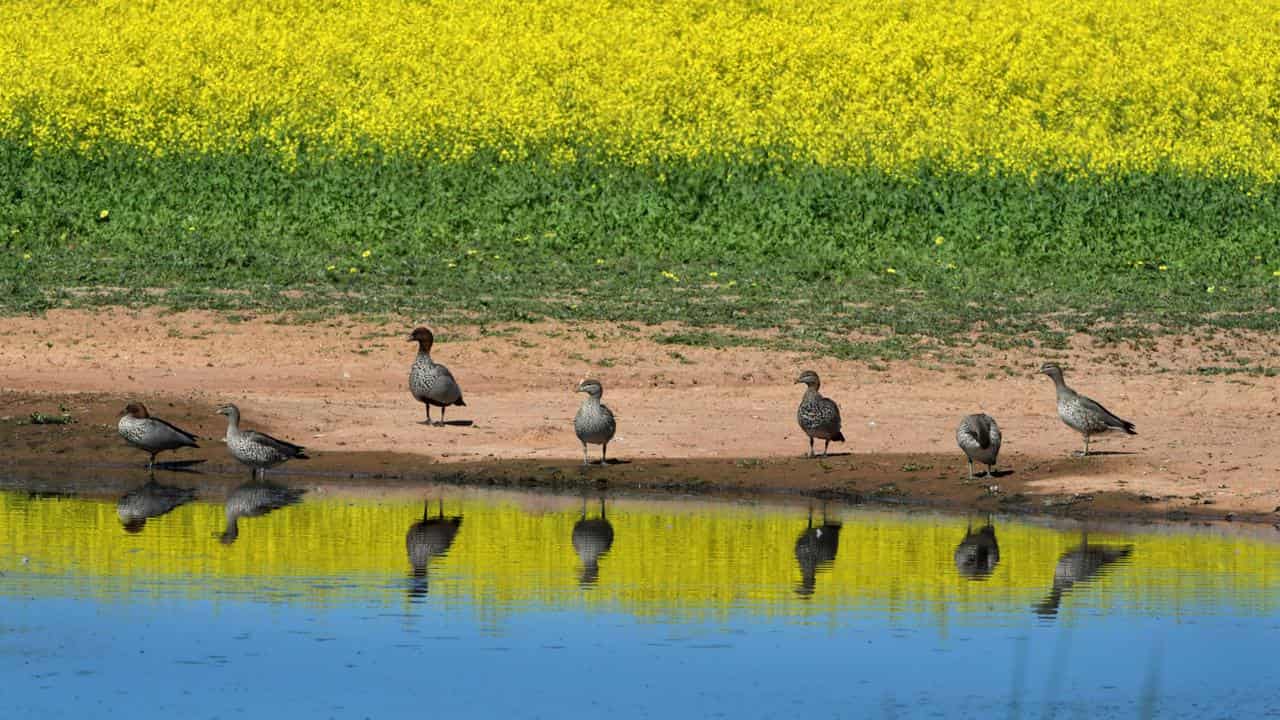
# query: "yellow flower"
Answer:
x=951 y=266
x=471 y=252
x=713 y=274
x=353 y=271
x=331 y=268
x=1211 y=288
x=104 y=214
x=497 y=257
x=599 y=261
x=27 y=256
x=1162 y=268
x=731 y=283
x=1275 y=273
x=452 y=264
x=938 y=240
x=366 y=253
x=891 y=271
x=670 y=276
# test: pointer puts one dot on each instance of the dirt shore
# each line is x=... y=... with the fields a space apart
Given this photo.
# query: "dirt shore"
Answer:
x=690 y=418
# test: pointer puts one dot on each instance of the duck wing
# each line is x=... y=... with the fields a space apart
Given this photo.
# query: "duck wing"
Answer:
x=286 y=448
x=189 y=437
x=1110 y=418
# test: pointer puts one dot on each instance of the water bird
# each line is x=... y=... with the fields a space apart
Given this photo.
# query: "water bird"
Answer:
x=150 y=500
x=430 y=382
x=1082 y=414
x=1080 y=565
x=979 y=437
x=978 y=553
x=151 y=434
x=255 y=499
x=818 y=416
x=592 y=539
x=428 y=538
x=816 y=548
x=255 y=449
x=594 y=422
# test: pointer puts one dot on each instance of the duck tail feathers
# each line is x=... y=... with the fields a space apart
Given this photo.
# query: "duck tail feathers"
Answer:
x=838 y=437
x=459 y=402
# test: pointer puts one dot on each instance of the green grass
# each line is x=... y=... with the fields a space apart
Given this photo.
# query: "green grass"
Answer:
x=798 y=250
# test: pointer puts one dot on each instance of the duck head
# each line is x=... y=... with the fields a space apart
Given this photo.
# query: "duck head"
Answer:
x=809 y=378
x=135 y=410
x=591 y=387
x=423 y=337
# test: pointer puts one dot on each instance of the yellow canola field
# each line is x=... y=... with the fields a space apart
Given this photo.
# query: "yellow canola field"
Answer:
x=665 y=560
x=1092 y=86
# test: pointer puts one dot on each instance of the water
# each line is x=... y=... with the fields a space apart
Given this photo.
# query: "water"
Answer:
x=345 y=603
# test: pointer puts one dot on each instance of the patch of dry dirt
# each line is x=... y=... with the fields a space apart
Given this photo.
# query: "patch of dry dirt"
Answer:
x=688 y=417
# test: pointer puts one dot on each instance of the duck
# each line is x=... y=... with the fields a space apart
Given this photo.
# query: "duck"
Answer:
x=151 y=434
x=150 y=500
x=255 y=499
x=819 y=416
x=257 y=450
x=428 y=538
x=979 y=437
x=592 y=539
x=430 y=382
x=1082 y=414
x=594 y=422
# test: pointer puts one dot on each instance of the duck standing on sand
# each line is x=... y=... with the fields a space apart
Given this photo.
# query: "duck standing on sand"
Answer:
x=151 y=434
x=594 y=422
x=257 y=450
x=979 y=437
x=1082 y=414
x=430 y=382
x=818 y=416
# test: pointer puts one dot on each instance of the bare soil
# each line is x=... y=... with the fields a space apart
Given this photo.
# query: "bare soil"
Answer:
x=690 y=418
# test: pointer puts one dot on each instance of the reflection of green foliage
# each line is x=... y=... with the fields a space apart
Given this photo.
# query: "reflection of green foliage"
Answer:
x=666 y=559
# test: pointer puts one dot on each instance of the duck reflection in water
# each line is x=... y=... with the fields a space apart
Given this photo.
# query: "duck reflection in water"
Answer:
x=816 y=549
x=592 y=538
x=428 y=538
x=148 y=501
x=255 y=499
x=1080 y=565
x=978 y=553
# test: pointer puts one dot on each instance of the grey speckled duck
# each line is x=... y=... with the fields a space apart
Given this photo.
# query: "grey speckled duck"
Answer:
x=1082 y=414
x=150 y=501
x=257 y=450
x=255 y=499
x=592 y=539
x=978 y=553
x=818 y=416
x=429 y=538
x=979 y=437
x=430 y=382
x=1080 y=565
x=151 y=434
x=594 y=422
x=816 y=549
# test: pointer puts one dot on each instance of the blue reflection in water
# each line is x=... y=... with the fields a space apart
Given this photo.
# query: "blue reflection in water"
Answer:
x=204 y=648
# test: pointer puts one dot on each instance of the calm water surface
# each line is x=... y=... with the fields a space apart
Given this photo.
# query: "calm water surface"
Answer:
x=177 y=600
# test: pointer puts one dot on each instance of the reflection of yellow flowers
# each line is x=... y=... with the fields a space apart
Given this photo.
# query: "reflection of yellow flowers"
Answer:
x=366 y=253
x=670 y=276
x=968 y=85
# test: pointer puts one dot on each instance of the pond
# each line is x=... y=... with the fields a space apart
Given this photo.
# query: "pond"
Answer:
x=183 y=598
